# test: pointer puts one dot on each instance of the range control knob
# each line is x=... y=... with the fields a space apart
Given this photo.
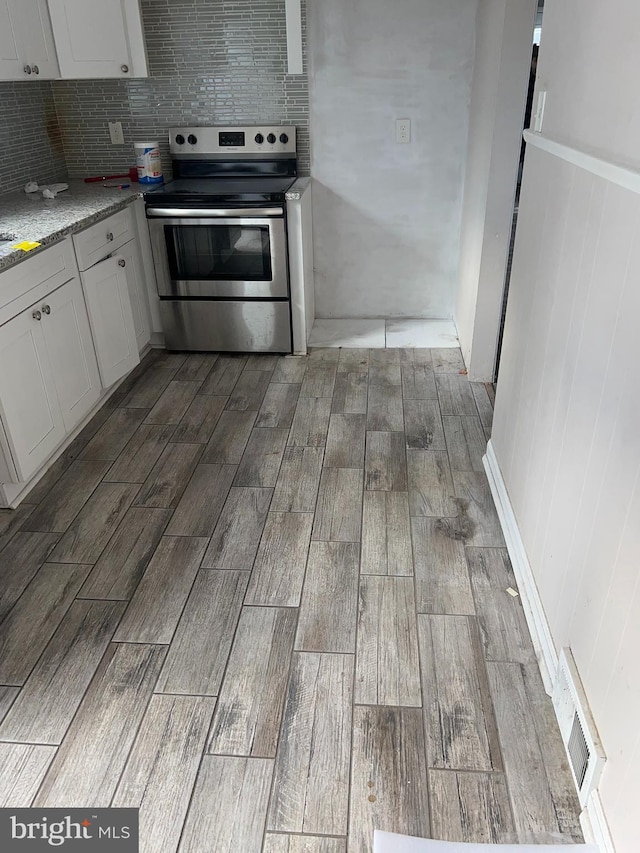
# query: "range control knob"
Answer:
x=191 y=139
x=271 y=138
x=284 y=138
x=259 y=138
x=180 y=139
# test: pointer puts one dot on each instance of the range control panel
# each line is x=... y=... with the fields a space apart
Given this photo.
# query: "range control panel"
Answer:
x=258 y=140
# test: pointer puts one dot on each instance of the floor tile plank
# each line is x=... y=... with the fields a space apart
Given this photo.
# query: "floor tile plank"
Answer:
x=418 y=382
x=251 y=702
x=46 y=705
x=197 y=366
x=11 y=520
x=278 y=406
x=7 y=698
x=384 y=411
x=34 y=618
x=123 y=562
x=202 y=501
x=386 y=534
x=431 y=489
x=223 y=375
x=262 y=457
x=310 y=422
x=149 y=387
x=111 y=438
x=319 y=379
x=200 y=420
x=531 y=800
x=345 y=442
x=350 y=393
x=249 y=391
x=298 y=481
x=136 y=461
x=478 y=517
x=387 y=665
x=20 y=561
x=95 y=524
x=229 y=805
x=385 y=375
x=154 y=610
x=229 y=438
x=484 y=404
x=278 y=572
x=200 y=647
x=442 y=576
x=174 y=402
x=460 y=727
x=353 y=359
x=162 y=768
x=24 y=766
x=169 y=476
x=503 y=625
x=447 y=360
x=65 y=500
x=276 y=843
x=389 y=776
x=470 y=807
x=338 y=515
x=87 y=767
x=454 y=393
x=329 y=606
x=311 y=783
x=386 y=462
x=291 y=369
x=466 y=443
x=423 y=425
x=235 y=540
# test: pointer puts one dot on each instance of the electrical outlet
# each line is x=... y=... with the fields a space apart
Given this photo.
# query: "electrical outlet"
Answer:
x=115 y=132
x=403 y=130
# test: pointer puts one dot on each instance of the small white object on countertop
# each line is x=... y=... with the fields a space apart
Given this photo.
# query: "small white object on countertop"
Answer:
x=48 y=191
x=31 y=187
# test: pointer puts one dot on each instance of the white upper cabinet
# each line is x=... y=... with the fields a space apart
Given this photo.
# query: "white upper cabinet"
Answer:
x=98 y=38
x=27 y=50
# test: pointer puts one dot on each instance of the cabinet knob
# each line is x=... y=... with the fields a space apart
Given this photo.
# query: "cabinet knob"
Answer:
x=122 y=262
x=37 y=315
x=27 y=69
x=46 y=309
x=124 y=69
x=36 y=70
x=109 y=236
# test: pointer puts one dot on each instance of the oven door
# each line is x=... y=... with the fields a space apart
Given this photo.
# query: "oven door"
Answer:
x=216 y=254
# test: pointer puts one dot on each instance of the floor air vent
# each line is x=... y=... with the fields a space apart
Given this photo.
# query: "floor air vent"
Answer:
x=578 y=730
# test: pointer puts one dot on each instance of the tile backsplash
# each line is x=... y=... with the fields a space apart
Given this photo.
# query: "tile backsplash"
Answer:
x=30 y=138
x=210 y=62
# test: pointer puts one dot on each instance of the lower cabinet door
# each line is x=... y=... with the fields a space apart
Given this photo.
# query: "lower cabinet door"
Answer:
x=31 y=414
x=137 y=293
x=71 y=353
x=106 y=293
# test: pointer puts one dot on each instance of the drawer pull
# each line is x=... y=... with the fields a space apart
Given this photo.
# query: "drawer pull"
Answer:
x=36 y=70
x=46 y=309
x=27 y=69
x=110 y=236
x=124 y=69
x=37 y=315
x=122 y=262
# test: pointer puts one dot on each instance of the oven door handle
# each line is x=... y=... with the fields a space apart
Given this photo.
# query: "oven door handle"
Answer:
x=215 y=213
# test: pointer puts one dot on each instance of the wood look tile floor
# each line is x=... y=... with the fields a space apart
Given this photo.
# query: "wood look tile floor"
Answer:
x=263 y=599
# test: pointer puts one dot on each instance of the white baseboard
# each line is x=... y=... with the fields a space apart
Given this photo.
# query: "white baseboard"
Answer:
x=592 y=819
x=534 y=612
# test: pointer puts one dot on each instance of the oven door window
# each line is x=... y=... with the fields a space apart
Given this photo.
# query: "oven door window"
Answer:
x=219 y=252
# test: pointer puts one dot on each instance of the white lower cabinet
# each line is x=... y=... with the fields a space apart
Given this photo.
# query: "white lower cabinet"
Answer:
x=137 y=293
x=106 y=288
x=57 y=380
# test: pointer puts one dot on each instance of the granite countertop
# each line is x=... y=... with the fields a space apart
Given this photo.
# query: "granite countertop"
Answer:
x=29 y=216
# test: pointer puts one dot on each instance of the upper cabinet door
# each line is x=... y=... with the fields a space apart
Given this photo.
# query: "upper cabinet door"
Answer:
x=98 y=38
x=27 y=51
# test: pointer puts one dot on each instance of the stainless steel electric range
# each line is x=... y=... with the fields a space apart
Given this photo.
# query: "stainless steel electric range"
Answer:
x=219 y=238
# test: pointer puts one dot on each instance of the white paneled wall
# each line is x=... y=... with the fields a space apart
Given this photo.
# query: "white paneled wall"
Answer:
x=567 y=439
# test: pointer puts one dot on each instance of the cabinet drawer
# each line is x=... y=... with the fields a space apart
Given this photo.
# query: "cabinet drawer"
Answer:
x=103 y=238
x=53 y=266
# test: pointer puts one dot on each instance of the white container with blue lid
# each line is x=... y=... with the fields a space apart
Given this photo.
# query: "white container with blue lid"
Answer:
x=148 y=162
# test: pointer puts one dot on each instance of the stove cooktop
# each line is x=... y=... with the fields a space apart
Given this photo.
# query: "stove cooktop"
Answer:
x=221 y=190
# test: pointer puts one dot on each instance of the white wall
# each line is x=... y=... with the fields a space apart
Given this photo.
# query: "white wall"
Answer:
x=567 y=421
x=387 y=216
x=500 y=82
